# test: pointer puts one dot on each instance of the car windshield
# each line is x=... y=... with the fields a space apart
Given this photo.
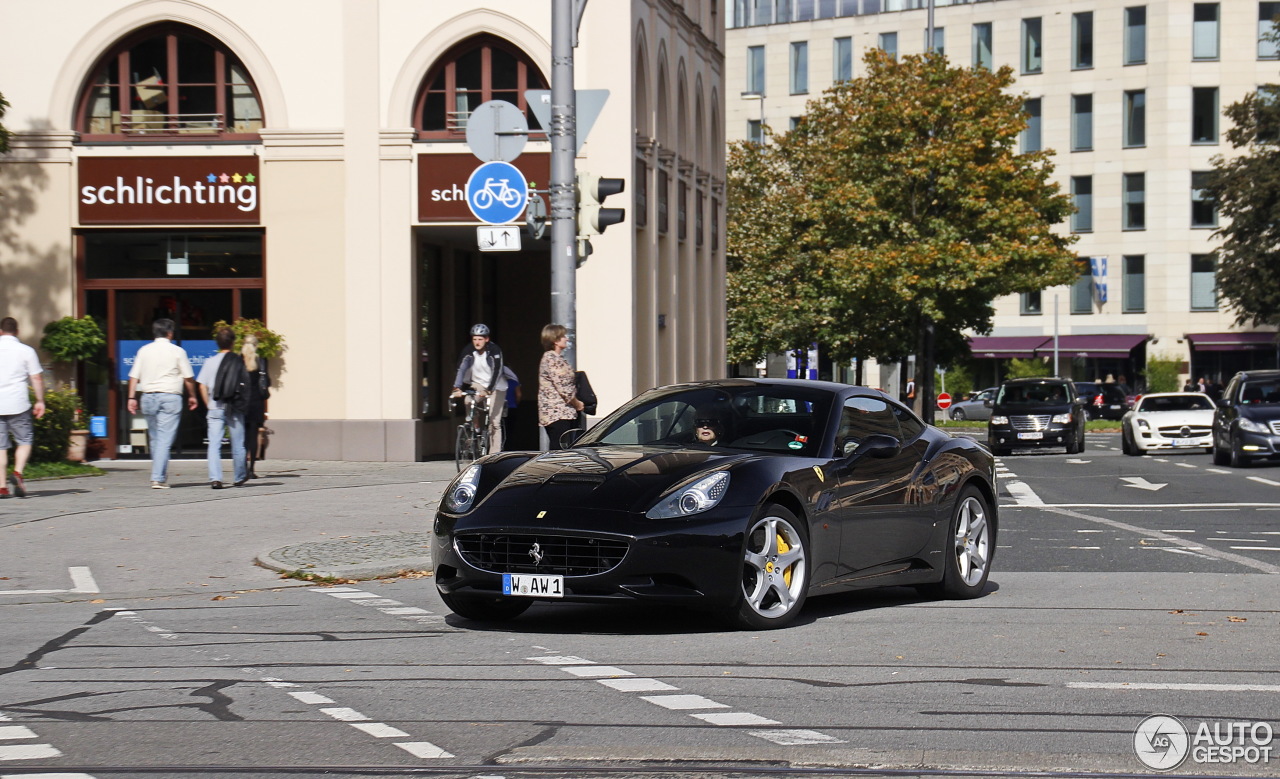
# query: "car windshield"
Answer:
x=1027 y=394
x=780 y=419
x=1257 y=393
x=1151 y=404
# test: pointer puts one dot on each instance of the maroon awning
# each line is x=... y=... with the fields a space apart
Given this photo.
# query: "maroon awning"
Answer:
x=1231 y=342
x=1093 y=345
x=1005 y=346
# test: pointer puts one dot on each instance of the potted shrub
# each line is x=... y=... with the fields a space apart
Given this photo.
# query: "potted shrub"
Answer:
x=270 y=343
x=54 y=431
x=71 y=341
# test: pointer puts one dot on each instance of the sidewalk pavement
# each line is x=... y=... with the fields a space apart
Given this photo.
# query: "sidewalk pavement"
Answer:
x=396 y=500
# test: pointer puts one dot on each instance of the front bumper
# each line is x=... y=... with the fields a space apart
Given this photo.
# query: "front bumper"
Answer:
x=1006 y=436
x=1258 y=445
x=1153 y=441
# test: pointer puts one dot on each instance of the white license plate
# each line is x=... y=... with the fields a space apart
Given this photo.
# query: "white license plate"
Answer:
x=533 y=585
x=1185 y=442
x=1030 y=436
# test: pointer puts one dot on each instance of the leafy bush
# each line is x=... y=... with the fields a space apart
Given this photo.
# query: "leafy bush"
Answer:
x=270 y=343
x=63 y=409
x=1162 y=373
x=69 y=339
x=1026 y=369
x=959 y=381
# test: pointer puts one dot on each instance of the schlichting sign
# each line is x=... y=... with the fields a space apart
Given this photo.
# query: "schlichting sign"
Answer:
x=169 y=190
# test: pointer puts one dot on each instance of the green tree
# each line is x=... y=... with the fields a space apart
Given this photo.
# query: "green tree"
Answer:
x=898 y=206
x=4 y=134
x=1246 y=190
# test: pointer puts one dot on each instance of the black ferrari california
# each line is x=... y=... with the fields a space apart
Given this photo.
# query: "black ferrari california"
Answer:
x=742 y=496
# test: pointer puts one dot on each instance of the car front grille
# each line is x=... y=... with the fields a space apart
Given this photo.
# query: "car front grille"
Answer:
x=1030 y=423
x=1185 y=431
x=560 y=554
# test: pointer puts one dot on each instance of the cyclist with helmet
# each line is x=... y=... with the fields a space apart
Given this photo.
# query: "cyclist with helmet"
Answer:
x=481 y=369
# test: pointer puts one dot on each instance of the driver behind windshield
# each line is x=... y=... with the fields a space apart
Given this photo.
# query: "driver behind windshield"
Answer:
x=708 y=426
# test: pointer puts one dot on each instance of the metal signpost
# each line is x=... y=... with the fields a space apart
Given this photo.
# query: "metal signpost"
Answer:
x=565 y=17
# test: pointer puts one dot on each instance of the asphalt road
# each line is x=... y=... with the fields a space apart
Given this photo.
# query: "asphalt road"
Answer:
x=1109 y=603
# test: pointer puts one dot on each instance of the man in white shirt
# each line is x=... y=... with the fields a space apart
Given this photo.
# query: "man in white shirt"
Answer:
x=18 y=366
x=159 y=373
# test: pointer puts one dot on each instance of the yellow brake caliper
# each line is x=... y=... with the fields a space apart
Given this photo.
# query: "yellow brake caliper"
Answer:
x=783 y=548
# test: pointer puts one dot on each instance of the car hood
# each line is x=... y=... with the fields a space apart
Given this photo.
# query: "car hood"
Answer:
x=620 y=478
x=1261 y=413
x=1201 y=417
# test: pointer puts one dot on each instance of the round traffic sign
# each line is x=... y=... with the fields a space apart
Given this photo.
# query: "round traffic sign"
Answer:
x=497 y=130
x=497 y=193
x=944 y=401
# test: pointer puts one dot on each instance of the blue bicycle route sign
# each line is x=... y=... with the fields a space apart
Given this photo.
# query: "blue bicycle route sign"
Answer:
x=497 y=193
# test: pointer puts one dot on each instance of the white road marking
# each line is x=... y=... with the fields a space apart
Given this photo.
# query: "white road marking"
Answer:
x=1074 y=461
x=81 y=582
x=730 y=718
x=682 y=702
x=1166 y=530
x=1022 y=494
x=1084 y=547
x=379 y=602
x=345 y=715
x=1261 y=480
x=1259 y=548
x=1091 y=531
x=1140 y=483
x=1216 y=470
x=379 y=730
x=328 y=590
x=311 y=697
x=47 y=776
x=1184 y=686
x=16 y=731
x=561 y=660
x=789 y=738
x=1193 y=506
x=28 y=752
x=636 y=685
x=588 y=671
x=352 y=595
x=423 y=749
x=404 y=611
x=1186 y=465
x=1237 y=540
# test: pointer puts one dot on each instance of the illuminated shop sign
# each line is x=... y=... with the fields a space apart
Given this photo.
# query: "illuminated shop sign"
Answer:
x=169 y=190
x=442 y=183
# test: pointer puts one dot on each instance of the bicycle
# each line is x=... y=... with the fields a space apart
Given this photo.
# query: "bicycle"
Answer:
x=473 y=433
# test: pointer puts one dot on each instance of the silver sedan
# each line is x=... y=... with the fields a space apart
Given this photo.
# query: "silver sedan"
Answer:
x=973 y=408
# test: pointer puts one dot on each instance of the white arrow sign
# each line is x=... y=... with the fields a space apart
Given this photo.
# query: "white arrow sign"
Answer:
x=1141 y=483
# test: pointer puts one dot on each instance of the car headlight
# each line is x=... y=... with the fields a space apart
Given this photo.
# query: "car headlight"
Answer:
x=1143 y=424
x=999 y=420
x=460 y=496
x=1062 y=419
x=1253 y=427
x=692 y=498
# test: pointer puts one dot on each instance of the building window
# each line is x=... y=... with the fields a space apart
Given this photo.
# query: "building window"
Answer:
x=1134 y=297
x=699 y=220
x=1082 y=40
x=1204 y=285
x=1032 y=136
x=755 y=70
x=889 y=43
x=1204 y=31
x=843 y=56
x=1082 y=199
x=982 y=45
x=1267 y=12
x=1204 y=212
x=799 y=72
x=715 y=225
x=755 y=131
x=168 y=82
x=642 y=194
x=1030 y=304
x=682 y=212
x=1081 y=122
x=1135 y=118
x=1135 y=35
x=1031 y=60
x=1135 y=201
x=1082 y=290
x=939 y=40
x=664 y=196
x=474 y=72
x=1204 y=115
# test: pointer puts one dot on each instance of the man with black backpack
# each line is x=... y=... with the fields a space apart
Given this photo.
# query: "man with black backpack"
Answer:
x=223 y=384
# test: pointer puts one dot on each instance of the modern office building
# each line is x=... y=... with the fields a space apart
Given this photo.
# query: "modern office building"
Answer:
x=305 y=162
x=1129 y=94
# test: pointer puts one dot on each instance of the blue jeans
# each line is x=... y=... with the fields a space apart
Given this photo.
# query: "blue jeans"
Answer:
x=219 y=419
x=163 y=411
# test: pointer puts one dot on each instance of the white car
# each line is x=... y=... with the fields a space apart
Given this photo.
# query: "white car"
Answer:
x=1168 y=421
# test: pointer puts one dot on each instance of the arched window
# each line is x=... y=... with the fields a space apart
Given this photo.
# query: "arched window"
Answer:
x=169 y=81
x=475 y=71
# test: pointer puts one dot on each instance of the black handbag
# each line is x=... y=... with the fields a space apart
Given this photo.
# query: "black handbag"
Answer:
x=585 y=393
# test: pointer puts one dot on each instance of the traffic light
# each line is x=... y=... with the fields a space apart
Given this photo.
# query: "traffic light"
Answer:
x=593 y=218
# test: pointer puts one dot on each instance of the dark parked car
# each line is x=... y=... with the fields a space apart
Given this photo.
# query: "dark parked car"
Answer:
x=1246 y=425
x=1104 y=401
x=1036 y=412
x=741 y=496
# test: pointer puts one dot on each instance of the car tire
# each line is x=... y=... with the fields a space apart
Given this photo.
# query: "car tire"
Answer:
x=1125 y=446
x=775 y=570
x=1219 y=457
x=1238 y=458
x=971 y=545
x=958 y=415
x=485 y=608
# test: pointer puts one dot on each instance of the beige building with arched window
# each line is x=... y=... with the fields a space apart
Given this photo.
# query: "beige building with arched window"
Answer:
x=212 y=160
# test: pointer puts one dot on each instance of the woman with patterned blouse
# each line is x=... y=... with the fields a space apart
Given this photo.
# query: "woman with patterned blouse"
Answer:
x=558 y=405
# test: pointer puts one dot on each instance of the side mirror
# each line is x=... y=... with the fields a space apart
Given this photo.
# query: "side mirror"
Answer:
x=878 y=445
x=1221 y=403
x=988 y=403
x=570 y=437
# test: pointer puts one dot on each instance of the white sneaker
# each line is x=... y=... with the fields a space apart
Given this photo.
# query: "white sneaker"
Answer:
x=159 y=485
